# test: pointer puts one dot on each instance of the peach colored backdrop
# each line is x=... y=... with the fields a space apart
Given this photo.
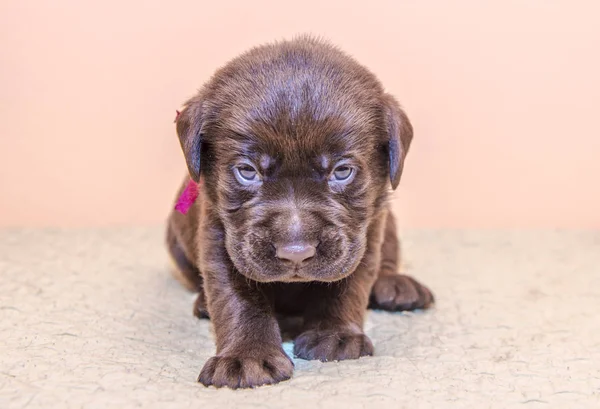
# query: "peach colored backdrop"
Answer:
x=504 y=97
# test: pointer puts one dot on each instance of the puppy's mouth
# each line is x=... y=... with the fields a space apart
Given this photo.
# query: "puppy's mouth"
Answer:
x=300 y=278
x=297 y=278
x=296 y=274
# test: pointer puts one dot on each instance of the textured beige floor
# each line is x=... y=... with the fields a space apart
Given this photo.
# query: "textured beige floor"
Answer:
x=92 y=319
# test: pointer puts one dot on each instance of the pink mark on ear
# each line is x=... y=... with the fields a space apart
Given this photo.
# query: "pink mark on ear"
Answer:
x=188 y=197
x=176 y=116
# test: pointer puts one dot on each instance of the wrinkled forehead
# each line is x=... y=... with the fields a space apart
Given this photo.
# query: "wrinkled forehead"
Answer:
x=286 y=128
x=298 y=139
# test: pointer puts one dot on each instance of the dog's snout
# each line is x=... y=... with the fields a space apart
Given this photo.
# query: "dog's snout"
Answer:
x=295 y=252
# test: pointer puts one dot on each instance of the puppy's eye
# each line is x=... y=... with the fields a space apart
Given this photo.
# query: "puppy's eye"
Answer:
x=342 y=173
x=246 y=174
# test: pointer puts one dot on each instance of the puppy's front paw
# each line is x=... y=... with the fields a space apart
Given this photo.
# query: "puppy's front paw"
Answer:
x=248 y=371
x=399 y=293
x=332 y=345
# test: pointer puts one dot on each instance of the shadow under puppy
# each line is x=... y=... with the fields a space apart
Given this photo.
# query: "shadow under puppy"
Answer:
x=295 y=146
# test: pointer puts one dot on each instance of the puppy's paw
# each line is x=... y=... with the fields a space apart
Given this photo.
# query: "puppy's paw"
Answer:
x=399 y=292
x=332 y=345
x=248 y=371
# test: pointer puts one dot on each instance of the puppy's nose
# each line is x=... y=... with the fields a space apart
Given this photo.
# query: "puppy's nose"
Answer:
x=296 y=252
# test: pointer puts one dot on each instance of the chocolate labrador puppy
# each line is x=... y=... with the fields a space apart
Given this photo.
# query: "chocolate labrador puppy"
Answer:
x=294 y=146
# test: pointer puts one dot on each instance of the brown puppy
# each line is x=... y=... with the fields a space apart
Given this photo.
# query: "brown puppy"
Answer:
x=295 y=144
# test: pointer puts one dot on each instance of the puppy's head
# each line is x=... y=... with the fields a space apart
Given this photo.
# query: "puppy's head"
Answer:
x=297 y=144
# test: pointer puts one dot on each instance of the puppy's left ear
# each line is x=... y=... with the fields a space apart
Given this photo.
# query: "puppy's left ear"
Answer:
x=400 y=134
x=189 y=123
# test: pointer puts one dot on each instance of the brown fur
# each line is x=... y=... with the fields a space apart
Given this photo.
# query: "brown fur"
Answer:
x=293 y=110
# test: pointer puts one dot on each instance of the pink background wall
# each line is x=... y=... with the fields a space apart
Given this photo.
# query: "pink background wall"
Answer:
x=504 y=97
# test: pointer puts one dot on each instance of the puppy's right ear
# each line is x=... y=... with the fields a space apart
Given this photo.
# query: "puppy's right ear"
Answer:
x=400 y=135
x=189 y=125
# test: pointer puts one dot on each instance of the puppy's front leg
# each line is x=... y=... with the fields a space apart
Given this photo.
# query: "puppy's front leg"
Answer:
x=334 y=323
x=249 y=350
x=335 y=317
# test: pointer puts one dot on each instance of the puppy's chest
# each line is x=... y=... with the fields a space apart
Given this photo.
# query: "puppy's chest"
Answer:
x=291 y=298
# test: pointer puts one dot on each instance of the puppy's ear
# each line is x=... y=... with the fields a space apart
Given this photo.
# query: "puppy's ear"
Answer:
x=400 y=134
x=189 y=125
